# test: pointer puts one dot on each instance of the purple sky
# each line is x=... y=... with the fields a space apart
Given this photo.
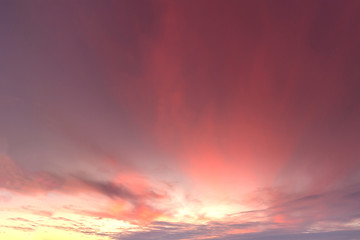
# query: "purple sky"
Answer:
x=180 y=119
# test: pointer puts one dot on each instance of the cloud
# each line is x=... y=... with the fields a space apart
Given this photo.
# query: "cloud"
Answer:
x=114 y=190
x=283 y=235
x=14 y=178
x=132 y=200
x=26 y=229
x=225 y=231
x=285 y=211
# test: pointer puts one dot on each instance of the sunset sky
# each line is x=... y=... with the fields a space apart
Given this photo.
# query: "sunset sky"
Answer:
x=180 y=120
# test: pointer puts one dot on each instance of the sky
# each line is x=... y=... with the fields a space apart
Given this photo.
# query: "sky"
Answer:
x=180 y=119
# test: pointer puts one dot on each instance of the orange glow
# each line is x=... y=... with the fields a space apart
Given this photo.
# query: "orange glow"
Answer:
x=241 y=231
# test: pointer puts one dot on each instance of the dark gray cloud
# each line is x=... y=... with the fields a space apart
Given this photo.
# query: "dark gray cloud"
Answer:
x=219 y=231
